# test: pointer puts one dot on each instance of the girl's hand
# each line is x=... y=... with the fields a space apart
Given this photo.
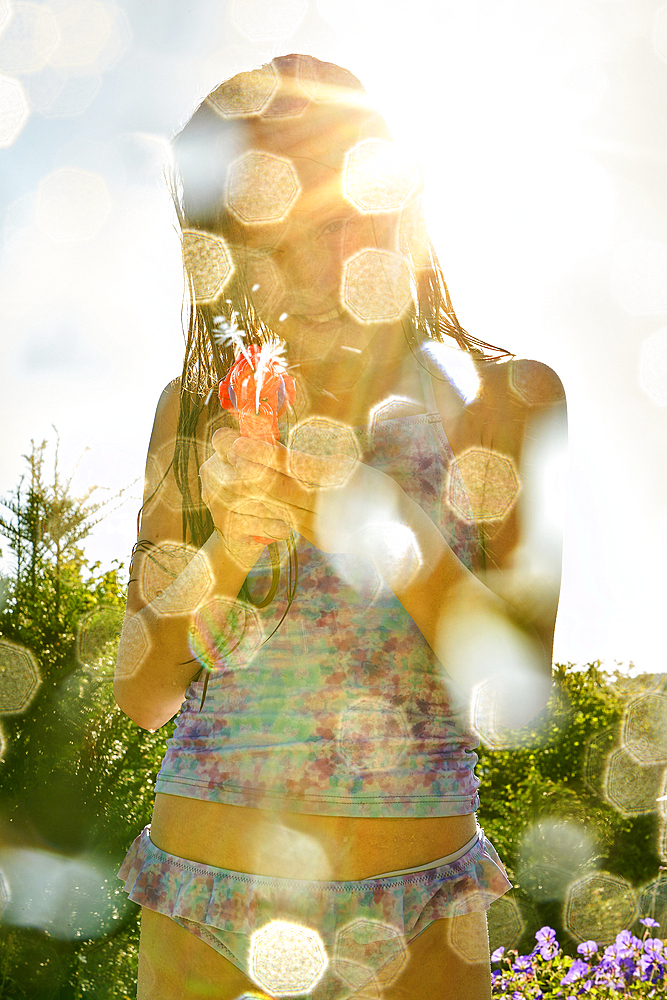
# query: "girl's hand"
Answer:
x=243 y=521
x=337 y=503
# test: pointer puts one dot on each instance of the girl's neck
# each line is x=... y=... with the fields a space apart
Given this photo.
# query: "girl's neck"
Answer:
x=348 y=388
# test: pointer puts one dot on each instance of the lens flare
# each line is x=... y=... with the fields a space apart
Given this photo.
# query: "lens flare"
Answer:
x=372 y=736
x=133 y=647
x=369 y=953
x=376 y=177
x=376 y=286
x=177 y=579
x=14 y=110
x=599 y=906
x=534 y=383
x=551 y=854
x=68 y=898
x=19 y=677
x=225 y=634
x=286 y=958
x=262 y=187
x=98 y=634
x=632 y=788
x=72 y=204
x=207 y=262
x=645 y=729
x=506 y=925
x=482 y=485
x=28 y=38
x=245 y=94
x=323 y=438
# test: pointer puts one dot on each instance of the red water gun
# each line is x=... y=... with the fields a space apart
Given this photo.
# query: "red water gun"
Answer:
x=259 y=389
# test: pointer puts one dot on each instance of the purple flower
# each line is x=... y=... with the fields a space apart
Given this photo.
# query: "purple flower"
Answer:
x=497 y=954
x=577 y=970
x=587 y=948
x=522 y=964
x=649 y=922
x=653 y=947
x=546 y=941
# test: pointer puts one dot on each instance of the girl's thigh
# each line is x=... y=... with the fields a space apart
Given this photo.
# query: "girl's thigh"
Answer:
x=175 y=964
x=448 y=961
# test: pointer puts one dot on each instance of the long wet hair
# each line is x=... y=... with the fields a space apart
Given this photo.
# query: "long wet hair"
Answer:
x=246 y=107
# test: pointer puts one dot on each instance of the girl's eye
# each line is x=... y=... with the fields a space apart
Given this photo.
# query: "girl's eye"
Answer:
x=264 y=251
x=334 y=226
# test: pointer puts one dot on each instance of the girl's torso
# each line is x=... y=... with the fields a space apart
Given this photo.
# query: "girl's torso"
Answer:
x=289 y=844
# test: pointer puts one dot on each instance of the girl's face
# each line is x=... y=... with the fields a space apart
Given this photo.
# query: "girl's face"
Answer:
x=322 y=273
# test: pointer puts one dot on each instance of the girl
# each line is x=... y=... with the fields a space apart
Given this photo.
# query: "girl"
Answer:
x=325 y=611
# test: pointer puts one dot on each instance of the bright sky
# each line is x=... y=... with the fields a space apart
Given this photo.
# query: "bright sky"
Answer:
x=542 y=128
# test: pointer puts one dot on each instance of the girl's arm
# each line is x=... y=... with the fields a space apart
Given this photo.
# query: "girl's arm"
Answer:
x=495 y=625
x=171 y=582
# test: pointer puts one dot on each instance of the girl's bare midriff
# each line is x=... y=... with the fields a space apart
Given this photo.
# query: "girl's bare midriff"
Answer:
x=297 y=845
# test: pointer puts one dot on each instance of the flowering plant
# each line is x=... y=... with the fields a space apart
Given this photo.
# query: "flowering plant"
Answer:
x=630 y=967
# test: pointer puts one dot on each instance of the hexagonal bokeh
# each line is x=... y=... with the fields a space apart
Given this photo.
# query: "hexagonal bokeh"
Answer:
x=72 y=204
x=261 y=187
x=265 y=20
x=597 y=750
x=323 y=438
x=638 y=277
x=208 y=263
x=160 y=486
x=645 y=728
x=286 y=958
x=552 y=852
x=225 y=634
x=652 y=902
x=391 y=408
x=468 y=932
x=133 y=647
x=78 y=695
x=482 y=485
x=660 y=31
x=599 y=906
x=28 y=38
x=19 y=677
x=535 y=383
x=376 y=286
x=653 y=367
x=372 y=735
x=506 y=925
x=161 y=582
x=632 y=788
x=91 y=35
x=246 y=93
x=376 y=177
x=369 y=953
x=5 y=13
x=98 y=634
x=13 y=110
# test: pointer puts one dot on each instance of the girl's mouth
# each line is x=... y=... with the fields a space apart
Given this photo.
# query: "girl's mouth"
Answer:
x=327 y=317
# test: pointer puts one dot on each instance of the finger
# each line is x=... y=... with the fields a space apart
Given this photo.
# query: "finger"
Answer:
x=311 y=470
x=223 y=439
x=274 y=487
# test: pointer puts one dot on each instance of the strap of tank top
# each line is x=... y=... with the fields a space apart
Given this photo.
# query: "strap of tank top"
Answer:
x=427 y=389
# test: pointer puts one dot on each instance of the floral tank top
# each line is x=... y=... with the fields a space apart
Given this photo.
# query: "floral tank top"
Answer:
x=344 y=710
